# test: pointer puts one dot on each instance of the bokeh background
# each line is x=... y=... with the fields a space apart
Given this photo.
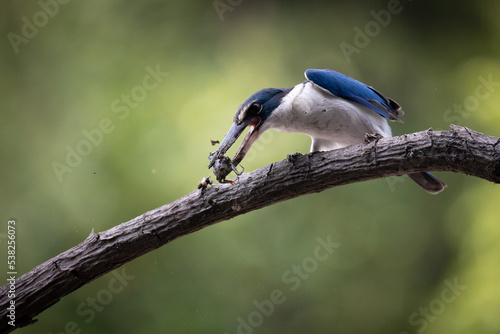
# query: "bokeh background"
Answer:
x=406 y=262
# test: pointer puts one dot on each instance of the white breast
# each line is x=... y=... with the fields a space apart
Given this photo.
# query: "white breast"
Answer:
x=330 y=121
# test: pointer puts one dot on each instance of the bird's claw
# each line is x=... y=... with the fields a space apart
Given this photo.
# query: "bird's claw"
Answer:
x=291 y=158
x=370 y=137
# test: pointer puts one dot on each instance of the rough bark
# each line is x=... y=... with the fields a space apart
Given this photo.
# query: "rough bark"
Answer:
x=459 y=150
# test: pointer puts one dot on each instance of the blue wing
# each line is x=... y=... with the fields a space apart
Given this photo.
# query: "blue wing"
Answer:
x=342 y=86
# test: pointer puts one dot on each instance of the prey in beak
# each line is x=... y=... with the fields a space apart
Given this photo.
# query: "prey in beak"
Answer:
x=233 y=134
x=251 y=114
x=221 y=164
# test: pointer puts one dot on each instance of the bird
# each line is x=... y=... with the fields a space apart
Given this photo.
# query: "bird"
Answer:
x=333 y=109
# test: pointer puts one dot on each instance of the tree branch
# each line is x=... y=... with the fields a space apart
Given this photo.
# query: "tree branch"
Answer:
x=459 y=150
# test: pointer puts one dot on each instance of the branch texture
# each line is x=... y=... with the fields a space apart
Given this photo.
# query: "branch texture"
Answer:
x=458 y=150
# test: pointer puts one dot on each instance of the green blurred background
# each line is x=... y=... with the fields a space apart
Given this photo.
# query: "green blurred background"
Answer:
x=400 y=248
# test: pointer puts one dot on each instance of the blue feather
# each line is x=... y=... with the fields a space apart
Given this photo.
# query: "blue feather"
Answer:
x=342 y=86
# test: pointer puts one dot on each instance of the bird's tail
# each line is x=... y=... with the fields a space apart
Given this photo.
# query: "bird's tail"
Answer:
x=428 y=182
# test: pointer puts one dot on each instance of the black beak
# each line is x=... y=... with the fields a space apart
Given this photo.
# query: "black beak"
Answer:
x=229 y=139
x=232 y=135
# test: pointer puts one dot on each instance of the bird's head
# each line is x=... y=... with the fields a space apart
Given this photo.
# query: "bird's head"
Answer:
x=252 y=113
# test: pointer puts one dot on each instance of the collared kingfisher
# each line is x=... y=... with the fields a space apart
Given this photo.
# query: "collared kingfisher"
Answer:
x=333 y=109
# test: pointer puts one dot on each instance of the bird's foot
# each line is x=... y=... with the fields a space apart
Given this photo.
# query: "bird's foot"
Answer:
x=291 y=158
x=370 y=137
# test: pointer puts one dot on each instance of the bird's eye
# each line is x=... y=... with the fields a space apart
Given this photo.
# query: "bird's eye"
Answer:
x=254 y=109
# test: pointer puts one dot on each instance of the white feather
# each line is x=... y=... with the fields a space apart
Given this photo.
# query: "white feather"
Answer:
x=330 y=121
